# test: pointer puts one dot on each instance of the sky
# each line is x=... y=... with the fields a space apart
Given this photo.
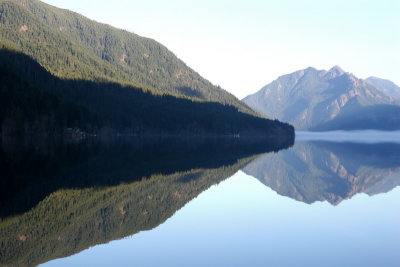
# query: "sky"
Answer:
x=243 y=45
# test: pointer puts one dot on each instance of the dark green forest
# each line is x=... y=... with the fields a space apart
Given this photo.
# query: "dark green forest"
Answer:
x=35 y=102
x=62 y=73
x=71 y=46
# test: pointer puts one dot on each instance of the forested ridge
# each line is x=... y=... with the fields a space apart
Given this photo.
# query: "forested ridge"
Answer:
x=62 y=71
x=71 y=46
x=34 y=101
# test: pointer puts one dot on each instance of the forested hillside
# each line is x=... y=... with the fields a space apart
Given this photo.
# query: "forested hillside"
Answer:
x=71 y=46
x=62 y=71
x=35 y=102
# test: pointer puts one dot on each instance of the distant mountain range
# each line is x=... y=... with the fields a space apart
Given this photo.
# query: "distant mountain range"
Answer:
x=61 y=71
x=312 y=99
x=327 y=171
x=386 y=86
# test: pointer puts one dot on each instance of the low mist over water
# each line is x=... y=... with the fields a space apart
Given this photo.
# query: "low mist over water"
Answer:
x=362 y=136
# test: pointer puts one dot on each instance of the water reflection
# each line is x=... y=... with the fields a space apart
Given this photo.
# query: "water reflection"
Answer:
x=329 y=171
x=59 y=198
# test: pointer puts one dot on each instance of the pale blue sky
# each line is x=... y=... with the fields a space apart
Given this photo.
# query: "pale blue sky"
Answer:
x=242 y=45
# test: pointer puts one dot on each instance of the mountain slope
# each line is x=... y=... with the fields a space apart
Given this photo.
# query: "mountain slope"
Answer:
x=310 y=99
x=386 y=86
x=381 y=117
x=71 y=46
x=35 y=102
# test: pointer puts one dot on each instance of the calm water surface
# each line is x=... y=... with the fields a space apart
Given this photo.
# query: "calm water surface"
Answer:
x=207 y=203
x=242 y=223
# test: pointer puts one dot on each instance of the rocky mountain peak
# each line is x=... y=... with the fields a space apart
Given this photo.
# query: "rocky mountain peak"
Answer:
x=313 y=99
x=336 y=71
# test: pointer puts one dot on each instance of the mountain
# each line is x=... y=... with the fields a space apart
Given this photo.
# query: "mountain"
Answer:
x=63 y=72
x=58 y=199
x=71 y=46
x=386 y=86
x=35 y=102
x=312 y=99
x=328 y=171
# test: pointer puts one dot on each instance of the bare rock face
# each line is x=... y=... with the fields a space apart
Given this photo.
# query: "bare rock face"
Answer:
x=23 y=28
x=312 y=99
x=386 y=86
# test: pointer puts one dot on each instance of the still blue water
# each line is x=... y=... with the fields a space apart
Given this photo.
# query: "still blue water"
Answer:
x=240 y=222
x=319 y=203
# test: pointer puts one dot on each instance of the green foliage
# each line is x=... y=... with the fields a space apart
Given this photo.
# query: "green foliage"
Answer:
x=34 y=101
x=61 y=70
x=26 y=110
x=71 y=46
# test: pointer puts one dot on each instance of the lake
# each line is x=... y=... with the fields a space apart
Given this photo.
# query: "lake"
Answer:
x=327 y=200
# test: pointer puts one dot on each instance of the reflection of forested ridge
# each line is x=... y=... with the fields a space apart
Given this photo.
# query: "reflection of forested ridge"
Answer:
x=68 y=221
x=31 y=172
x=319 y=171
x=117 y=190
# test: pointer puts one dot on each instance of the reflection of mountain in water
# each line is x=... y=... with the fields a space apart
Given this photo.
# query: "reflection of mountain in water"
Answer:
x=58 y=200
x=319 y=171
